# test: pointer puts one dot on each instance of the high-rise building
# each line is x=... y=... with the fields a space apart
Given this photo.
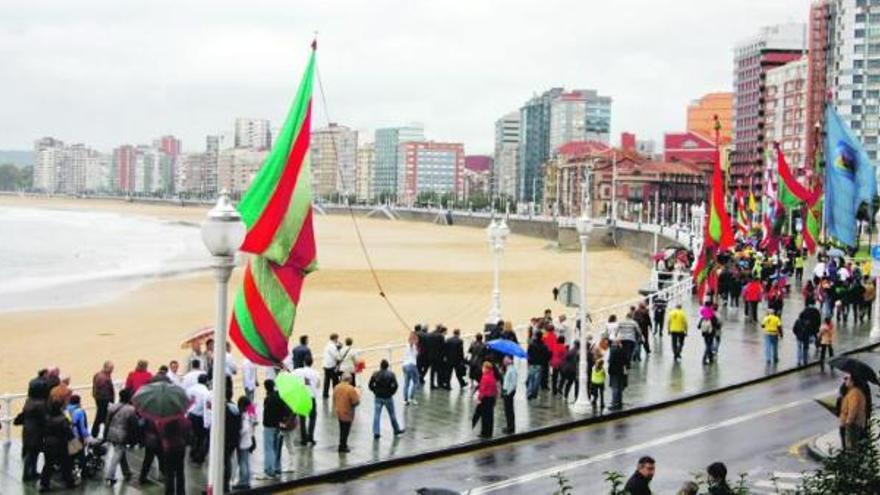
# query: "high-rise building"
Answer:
x=477 y=176
x=48 y=157
x=123 y=169
x=534 y=144
x=786 y=110
x=387 y=146
x=253 y=133
x=168 y=144
x=75 y=162
x=98 y=166
x=579 y=115
x=853 y=70
x=771 y=47
x=817 y=73
x=628 y=141
x=429 y=167
x=333 y=152
x=701 y=115
x=363 y=178
x=504 y=168
x=237 y=167
x=208 y=178
x=193 y=175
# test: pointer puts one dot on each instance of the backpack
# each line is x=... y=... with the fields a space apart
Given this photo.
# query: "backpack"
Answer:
x=705 y=326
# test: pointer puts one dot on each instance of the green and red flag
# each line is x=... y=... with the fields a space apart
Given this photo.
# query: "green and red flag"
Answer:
x=718 y=227
x=813 y=225
x=742 y=216
x=277 y=210
x=791 y=192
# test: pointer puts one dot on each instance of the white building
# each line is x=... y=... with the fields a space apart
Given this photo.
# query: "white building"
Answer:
x=366 y=161
x=504 y=168
x=786 y=110
x=253 y=133
x=387 y=146
x=48 y=157
x=237 y=167
x=98 y=168
x=333 y=154
x=579 y=115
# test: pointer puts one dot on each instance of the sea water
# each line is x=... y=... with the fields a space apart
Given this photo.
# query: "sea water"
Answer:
x=61 y=258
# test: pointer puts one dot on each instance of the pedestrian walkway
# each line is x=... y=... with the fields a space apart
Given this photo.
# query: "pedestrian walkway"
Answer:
x=443 y=418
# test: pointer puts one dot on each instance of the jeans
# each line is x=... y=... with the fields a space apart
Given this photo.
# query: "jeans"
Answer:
x=100 y=416
x=244 y=467
x=771 y=348
x=380 y=403
x=709 y=352
x=677 y=343
x=307 y=429
x=803 y=351
x=175 y=483
x=411 y=381
x=533 y=381
x=344 y=430
x=118 y=458
x=659 y=318
x=616 y=392
x=271 y=449
x=508 y=410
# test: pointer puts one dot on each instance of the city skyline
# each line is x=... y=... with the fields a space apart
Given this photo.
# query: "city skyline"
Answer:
x=70 y=83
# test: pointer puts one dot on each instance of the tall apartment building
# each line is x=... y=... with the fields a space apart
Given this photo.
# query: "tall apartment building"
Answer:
x=253 y=133
x=363 y=177
x=771 y=47
x=786 y=110
x=701 y=115
x=193 y=175
x=534 y=144
x=387 y=144
x=429 y=167
x=579 y=115
x=98 y=172
x=237 y=167
x=48 y=154
x=123 y=168
x=817 y=74
x=333 y=152
x=504 y=167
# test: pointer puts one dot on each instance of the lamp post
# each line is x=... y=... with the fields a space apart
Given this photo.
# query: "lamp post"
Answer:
x=875 y=323
x=497 y=231
x=584 y=225
x=222 y=233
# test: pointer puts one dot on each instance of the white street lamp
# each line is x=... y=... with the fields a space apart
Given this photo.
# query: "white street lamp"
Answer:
x=222 y=233
x=497 y=231
x=875 y=323
x=584 y=225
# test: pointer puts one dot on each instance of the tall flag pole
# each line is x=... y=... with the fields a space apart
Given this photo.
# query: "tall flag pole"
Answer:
x=277 y=209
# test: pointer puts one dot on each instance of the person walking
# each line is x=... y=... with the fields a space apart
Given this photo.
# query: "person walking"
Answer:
x=81 y=435
x=753 y=292
x=629 y=336
x=826 y=342
x=121 y=418
x=706 y=326
x=152 y=450
x=484 y=413
x=231 y=436
x=246 y=444
x=453 y=355
x=331 y=364
x=301 y=352
x=476 y=356
x=640 y=481
x=597 y=383
x=508 y=391
x=103 y=392
x=433 y=347
x=313 y=383
x=249 y=378
x=411 y=382
x=57 y=435
x=868 y=295
x=198 y=413
x=383 y=384
x=538 y=354
x=677 y=327
x=772 y=326
x=570 y=366
x=139 y=377
x=175 y=435
x=348 y=358
x=274 y=413
x=853 y=413
x=557 y=358
x=659 y=314
x=32 y=419
x=617 y=375
x=345 y=399
x=642 y=318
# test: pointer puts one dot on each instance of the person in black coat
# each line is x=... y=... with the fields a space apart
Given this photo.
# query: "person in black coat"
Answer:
x=301 y=352
x=639 y=483
x=58 y=433
x=422 y=361
x=617 y=360
x=434 y=350
x=453 y=355
x=32 y=419
x=477 y=354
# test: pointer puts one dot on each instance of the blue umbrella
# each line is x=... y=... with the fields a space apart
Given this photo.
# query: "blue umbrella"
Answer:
x=507 y=347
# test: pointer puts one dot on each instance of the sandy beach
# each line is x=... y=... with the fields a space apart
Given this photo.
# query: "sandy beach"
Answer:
x=431 y=273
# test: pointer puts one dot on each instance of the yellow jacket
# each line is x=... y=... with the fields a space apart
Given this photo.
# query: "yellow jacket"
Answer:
x=677 y=321
x=772 y=325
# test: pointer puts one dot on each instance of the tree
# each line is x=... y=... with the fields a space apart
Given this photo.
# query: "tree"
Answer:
x=13 y=178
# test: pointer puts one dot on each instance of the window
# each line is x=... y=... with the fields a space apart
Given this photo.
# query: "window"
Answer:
x=858 y=64
x=858 y=79
x=860 y=18
x=857 y=109
x=860 y=33
x=857 y=93
x=872 y=93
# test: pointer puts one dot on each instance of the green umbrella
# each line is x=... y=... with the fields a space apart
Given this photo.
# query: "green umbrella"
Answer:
x=294 y=392
x=160 y=400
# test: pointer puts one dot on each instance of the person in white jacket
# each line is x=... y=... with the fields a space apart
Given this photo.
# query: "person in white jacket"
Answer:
x=411 y=381
x=246 y=445
x=313 y=382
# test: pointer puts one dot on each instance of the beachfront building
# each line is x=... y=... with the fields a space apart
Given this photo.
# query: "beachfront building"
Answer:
x=786 y=109
x=387 y=146
x=363 y=177
x=430 y=168
x=504 y=166
x=48 y=153
x=253 y=133
x=579 y=115
x=237 y=167
x=534 y=144
x=333 y=153
x=773 y=46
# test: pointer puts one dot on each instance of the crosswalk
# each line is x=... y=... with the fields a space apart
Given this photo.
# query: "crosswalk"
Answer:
x=780 y=482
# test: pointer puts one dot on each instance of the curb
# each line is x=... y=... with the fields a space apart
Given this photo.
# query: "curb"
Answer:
x=350 y=473
x=814 y=451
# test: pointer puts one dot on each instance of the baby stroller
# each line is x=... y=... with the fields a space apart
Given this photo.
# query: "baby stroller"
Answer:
x=93 y=466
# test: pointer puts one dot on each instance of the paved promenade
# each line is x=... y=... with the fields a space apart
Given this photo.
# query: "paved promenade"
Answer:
x=442 y=418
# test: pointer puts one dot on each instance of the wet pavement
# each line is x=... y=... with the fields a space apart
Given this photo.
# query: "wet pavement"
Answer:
x=442 y=418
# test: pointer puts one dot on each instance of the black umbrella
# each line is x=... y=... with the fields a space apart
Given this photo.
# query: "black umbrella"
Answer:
x=856 y=368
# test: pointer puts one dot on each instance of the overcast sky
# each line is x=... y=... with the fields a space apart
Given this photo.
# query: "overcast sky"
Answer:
x=111 y=72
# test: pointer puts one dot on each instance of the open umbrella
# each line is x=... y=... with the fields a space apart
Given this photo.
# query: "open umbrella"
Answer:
x=293 y=391
x=160 y=400
x=203 y=333
x=836 y=253
x=856 y=368
x=507 y=347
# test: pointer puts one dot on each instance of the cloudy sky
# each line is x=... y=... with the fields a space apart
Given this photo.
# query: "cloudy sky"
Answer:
x=110 y=72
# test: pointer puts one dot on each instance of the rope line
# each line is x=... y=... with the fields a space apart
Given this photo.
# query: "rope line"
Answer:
x=357 y=229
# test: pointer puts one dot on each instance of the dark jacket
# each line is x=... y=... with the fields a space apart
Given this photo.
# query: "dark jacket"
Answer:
x=58 y=432
x=538 y=353
x=453 y=351
x=721 y=488
x=616 y=361
x=570 y=363
x=299 y=355
x=33 y=421
x=433 y=343
x=811 y=319
x=175 y=435
x=275 y=411
x=38 y=388
x=637 y=485
x=383 y=383
x=102 y=387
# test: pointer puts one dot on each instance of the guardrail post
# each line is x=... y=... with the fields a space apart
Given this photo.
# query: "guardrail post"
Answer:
x=7 y=420
x=390 y=352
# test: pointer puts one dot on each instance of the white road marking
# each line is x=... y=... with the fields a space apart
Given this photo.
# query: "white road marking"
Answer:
x=546 y=473
x=782 y=485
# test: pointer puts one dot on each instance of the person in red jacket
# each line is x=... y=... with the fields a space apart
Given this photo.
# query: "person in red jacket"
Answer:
x=139 y=377
x=753 y=292
x=486 y=394
x=550 y=338
x=557 y=357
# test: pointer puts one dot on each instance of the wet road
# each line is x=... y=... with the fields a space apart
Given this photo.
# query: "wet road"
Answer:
x=758 y=430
